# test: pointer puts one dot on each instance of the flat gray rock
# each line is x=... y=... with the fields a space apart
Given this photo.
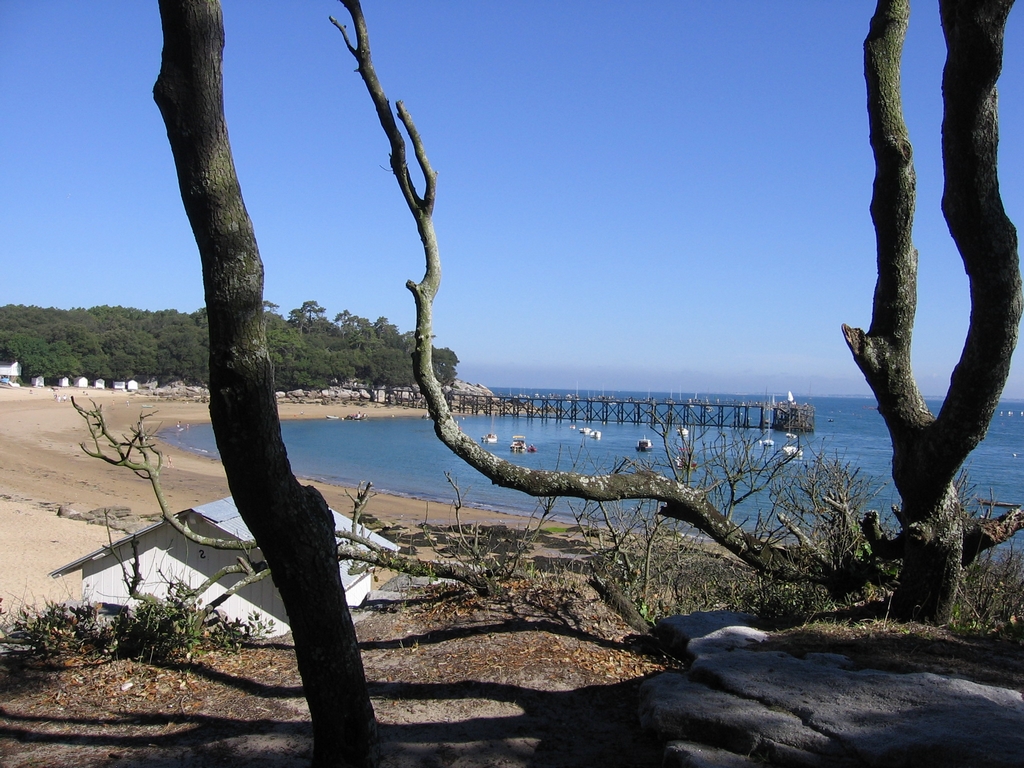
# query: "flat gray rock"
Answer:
x=884 y=718
x=678 y=708
x=687 y=754
x=818 y=712
x=724 y=640
x=712 y=631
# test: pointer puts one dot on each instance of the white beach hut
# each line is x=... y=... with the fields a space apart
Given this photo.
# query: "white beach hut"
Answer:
x=166 y=556
x=62 y=381
x=38 y=381
x=81 y=382
x=120 y=385
x=99 y=384
x=10 y=370
x=132 y=385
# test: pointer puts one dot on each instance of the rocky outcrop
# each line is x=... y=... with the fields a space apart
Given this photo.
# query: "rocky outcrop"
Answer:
x=117 y=518
x=177 y=390
x=738 y=707
x=328 y=396
x=348 y=391
x=460 y=387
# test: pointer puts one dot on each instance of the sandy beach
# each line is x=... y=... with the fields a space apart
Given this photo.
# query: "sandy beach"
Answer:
x=42 y=466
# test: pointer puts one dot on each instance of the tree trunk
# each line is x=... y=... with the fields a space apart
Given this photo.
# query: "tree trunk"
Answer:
x=929 y=450
x=932 y=560
x=291 y=523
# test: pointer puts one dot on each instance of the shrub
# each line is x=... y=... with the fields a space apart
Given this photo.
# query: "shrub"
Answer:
x=154 y=630
x=160 y=630
x=173 y=629
x=61 y=630
x=770 y=598
x=991 y=598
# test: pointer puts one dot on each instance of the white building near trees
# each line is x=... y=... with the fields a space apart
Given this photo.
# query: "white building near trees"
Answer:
x=166 y=556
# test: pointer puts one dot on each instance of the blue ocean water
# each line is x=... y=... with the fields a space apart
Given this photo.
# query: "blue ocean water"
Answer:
x=402 y=456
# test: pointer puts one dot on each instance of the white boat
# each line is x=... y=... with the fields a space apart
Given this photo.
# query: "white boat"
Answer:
x=595 y=434
x=683 y=461
x=491 y=436
x=793 y=450
x=585 y=431
x=332 y=417
x=518 y=444
x=644 y=445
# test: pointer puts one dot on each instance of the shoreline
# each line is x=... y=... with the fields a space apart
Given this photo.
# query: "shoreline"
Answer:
x=42 y=467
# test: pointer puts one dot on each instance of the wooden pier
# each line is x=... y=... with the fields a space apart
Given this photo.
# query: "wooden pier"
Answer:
x=785 y=416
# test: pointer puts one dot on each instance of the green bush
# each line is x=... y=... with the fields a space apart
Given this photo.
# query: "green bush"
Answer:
x=991 y=598
x=770 y=598
x=160 y=630
x=154 y=630
x=62 y=630
x=173 y=629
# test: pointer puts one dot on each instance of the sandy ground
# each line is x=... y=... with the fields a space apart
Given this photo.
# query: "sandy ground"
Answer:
x=42 y=466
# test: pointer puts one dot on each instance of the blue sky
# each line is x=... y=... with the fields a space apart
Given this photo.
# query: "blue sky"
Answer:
x=670 y=198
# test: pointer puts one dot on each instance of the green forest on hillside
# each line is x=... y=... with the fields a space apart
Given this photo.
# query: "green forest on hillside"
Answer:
x=120 y=343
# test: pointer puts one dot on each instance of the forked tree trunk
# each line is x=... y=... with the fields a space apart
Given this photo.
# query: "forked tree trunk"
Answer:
x=929 y=450
x=291 y=523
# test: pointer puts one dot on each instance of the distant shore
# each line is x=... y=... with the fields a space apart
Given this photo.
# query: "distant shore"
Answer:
x=42 y=467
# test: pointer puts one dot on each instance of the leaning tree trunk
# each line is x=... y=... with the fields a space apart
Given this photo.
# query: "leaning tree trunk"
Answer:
x=291 y=523
x=928 y=451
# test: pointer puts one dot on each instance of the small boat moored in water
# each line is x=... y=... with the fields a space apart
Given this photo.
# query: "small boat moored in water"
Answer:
x=518 y=444
x=490 y=437
x=683 y=461
x=644 y=445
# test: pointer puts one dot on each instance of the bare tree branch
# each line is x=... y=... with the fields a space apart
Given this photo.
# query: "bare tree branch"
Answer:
x=251 y=577
x=680 y=500
x=138 y=452
x=147 y=465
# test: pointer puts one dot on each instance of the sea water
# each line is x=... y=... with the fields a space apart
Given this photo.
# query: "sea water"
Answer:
x=402 y=456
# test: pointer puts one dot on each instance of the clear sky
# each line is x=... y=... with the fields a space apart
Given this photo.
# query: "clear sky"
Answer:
x=657 y=195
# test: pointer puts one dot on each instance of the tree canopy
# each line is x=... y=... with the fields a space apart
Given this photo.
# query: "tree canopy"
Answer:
x=120 y=343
